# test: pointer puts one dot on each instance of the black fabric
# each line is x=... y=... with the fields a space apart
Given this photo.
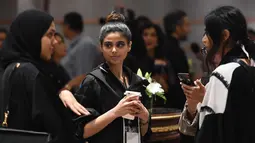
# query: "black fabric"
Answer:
x=17 y=136
x=4 y=106
x=80 y=121
x=57 y=73
x=103 y=93
x=35 y=106
x=186 y=139
x=207 y=109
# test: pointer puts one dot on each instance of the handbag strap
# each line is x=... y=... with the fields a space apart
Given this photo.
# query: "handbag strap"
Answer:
x=6 y=86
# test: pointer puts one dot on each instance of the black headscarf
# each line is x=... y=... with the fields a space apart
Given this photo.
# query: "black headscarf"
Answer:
x=23 y=43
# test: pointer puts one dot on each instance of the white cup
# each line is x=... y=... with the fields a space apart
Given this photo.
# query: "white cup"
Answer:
x=128 y=93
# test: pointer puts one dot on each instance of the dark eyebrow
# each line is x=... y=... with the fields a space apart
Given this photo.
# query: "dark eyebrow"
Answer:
x=121 y=42
x=107 y=42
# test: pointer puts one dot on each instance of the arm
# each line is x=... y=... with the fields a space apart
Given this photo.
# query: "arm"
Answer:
x=125 y=106
x=144 y=127
x=188 y=126
x=189 y=118
x=98 y=124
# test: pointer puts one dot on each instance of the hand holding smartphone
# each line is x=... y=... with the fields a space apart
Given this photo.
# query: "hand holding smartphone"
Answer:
x=186 y=79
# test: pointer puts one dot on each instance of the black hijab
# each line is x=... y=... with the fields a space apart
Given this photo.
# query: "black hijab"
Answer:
x=23 y=43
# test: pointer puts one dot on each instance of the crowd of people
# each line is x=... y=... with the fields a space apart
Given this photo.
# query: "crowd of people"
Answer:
x=77 y=93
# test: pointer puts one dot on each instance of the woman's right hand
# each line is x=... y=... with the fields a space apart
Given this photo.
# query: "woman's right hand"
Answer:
x=194 y=95
x=126 y=106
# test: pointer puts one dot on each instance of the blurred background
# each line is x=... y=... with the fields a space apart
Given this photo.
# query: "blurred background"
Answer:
x=92 y=10
x=164 y=66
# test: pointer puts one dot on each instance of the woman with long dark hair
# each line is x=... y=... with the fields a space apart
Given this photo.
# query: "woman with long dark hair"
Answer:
x=219 y=111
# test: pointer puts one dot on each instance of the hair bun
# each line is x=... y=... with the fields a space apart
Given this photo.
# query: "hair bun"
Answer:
x=115 y=17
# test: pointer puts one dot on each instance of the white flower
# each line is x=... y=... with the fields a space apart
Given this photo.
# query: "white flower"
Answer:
x=154 y=87
x=147 y=75
x=139 y=73
x=161 y=90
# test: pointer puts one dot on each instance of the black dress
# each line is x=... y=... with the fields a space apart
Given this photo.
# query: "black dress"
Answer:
x=103 y=95
x=34 y=105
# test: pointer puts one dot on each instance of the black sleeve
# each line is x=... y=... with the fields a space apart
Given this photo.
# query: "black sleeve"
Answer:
x=186 y=138
x=88 y=96
x=89 y=92
x=212 y=130
x=30 y=106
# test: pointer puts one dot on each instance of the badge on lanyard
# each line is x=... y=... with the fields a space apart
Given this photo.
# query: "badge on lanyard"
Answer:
x=131 y=131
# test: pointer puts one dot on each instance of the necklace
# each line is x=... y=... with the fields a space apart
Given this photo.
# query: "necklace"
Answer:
x=124 y=81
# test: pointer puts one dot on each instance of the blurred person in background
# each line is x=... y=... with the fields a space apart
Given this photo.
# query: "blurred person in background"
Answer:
x=3 y=34
x=177 y=28
x=198 y=65
x=82 y=52
x=60 y=51
x=152 y=57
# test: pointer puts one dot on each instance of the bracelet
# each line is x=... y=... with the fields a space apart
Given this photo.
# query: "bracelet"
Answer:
x=67 y=87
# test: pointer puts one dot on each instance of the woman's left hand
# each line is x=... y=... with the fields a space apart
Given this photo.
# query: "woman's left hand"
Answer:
x=69 y=101
x=143 y=113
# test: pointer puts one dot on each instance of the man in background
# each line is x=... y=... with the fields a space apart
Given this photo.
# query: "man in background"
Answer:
x=82 y=53
x=177 y=28
x=3 y=34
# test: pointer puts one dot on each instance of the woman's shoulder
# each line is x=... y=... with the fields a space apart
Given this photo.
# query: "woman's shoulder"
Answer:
x=27 y=70
x=226 y=71
x=226 y=68
x=90 y=77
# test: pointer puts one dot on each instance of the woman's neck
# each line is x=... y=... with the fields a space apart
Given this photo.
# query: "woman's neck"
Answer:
x=151 y=53
x=117 y=70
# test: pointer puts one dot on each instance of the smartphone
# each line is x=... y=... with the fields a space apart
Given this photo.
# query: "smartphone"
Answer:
x=186 y=79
